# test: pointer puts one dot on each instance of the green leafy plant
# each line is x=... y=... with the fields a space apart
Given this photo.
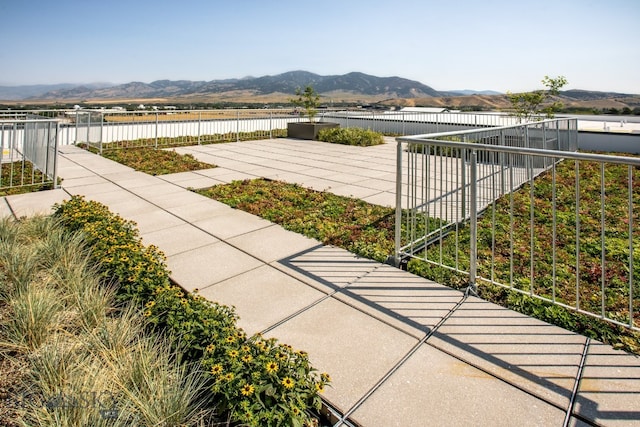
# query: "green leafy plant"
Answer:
x=309 y=100
x=351 y=136
x=529 y=105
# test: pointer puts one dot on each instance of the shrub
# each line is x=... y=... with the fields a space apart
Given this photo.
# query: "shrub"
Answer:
x=351 y=136
x=258 y=381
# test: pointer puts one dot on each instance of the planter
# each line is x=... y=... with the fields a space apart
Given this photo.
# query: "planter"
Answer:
x=308 y=130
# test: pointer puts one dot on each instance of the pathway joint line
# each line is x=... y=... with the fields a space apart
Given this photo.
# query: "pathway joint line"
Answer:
x=385 y=377
x=576 y=385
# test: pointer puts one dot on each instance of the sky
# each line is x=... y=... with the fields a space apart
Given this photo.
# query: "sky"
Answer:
x=446 y=44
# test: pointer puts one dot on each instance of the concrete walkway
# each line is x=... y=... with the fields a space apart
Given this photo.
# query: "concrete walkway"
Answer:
x=401 y=350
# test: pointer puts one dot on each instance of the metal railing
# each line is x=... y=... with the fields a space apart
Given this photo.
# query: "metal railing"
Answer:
x=518 y=207
x=29 y=152
x=119 y=128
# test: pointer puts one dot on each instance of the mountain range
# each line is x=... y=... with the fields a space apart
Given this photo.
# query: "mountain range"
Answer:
x=351 y=87
x=286 y=83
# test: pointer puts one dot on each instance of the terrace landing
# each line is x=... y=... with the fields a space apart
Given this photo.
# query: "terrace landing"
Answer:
x=401 y=350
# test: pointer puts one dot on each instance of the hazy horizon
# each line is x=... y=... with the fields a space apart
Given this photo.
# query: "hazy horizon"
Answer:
x=490 y=45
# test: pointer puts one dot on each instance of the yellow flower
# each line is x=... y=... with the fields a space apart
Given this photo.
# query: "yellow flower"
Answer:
x=247 y=390
x=325 y=377
x=247 y=358
x=216 y=369
x=231 y=338
x=233 y=354
x=147 y=313
x=229 y=376
x=288 y=382
x=150 y=304
x=210 y=348
x=272 y=367
x=320 y=387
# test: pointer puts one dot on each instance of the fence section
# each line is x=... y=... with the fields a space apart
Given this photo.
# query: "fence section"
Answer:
x=29 y=153
x=519 y=208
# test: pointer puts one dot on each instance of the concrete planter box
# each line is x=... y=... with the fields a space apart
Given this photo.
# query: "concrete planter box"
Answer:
x=308 y=130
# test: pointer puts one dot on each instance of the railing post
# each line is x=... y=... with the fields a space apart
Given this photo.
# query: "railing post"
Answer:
x=101 y=127
x=463 y=172
x=270 y=124
x=398 y=235
x=199 y=126
x=55 y=156
x=77 y=117
x=157 y=124
x=238 y=126
x=473 y=250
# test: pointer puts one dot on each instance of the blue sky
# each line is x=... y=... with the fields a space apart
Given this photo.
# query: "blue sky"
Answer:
x=461 y=44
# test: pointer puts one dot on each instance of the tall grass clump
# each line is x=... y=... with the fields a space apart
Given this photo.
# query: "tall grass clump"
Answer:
x=87 y=360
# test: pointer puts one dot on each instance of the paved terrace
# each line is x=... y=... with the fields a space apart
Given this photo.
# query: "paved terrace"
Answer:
x=402 y=350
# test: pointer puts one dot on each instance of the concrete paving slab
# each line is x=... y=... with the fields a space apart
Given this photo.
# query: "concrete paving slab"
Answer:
x=352 y=191
x=154 y=220
x=327 y=265
x=5 y=210
x=181 y=238
x=202 y=209
x=215 y=173
x=208 y=265
x=378 y=184
x=197 y=183
x=272 y=243
x=234 y=176
x=127 y=205
x=37 y=203
x=93 y=189
x=355 y=357
x=109 y=198
x=415 y=301
x=433 y=388
x=541 y=358
x=131 y=179
x=71 y=170
x=81 y=181
x=227 y=224
x=383 y=199
x=263 y=297
x=175 y=178
x=610 y=386
x=173 y=199
x=158 y=188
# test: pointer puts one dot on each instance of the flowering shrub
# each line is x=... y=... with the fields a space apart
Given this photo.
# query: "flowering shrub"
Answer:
x=258 y=381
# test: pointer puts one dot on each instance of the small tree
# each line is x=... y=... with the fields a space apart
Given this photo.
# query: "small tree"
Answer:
x=529 y=105
x=309 y=100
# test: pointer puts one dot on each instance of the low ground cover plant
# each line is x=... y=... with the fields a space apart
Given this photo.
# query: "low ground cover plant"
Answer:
x=257 y=381
x=357 y=226
x=351 y=136
x=368 y=230
x=16 y=178
x=156 y=162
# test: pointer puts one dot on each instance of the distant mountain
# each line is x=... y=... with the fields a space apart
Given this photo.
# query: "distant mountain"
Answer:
x=286 y=83
x=352 y=87
x=10 y=93
x=465 y=92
